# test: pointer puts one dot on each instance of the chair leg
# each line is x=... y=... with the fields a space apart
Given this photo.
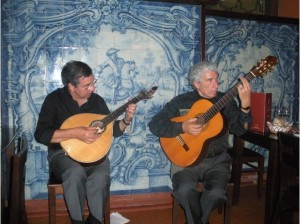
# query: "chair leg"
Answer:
x=107 y=212
x=220 y=209
x=260 y=178
x=175 y=211
x=52 y=204
x=228 y=204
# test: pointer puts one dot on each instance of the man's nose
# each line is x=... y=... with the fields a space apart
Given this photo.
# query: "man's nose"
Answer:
x=216 y=83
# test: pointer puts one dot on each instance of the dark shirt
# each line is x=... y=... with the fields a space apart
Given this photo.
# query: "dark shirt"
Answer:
x=57 y=107
x=234 y=119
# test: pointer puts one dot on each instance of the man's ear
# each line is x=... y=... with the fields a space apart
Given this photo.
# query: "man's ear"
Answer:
x=71 y=87
x=196 y=84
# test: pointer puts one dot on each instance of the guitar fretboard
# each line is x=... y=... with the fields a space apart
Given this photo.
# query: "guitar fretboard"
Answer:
x=217 y=107
x=115 y=114
x=143 y=95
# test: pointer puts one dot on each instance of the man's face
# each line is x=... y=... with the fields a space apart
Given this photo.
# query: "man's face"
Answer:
x=85 y=87
x=208 y=86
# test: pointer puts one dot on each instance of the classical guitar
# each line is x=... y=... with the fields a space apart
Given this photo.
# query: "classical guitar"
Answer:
x=185 y=149
x=88 y=153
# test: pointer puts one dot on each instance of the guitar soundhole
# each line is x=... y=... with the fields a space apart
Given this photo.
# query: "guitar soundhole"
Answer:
x=99 y=126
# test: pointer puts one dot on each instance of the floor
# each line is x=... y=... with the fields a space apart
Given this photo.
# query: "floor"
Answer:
x=250 y=210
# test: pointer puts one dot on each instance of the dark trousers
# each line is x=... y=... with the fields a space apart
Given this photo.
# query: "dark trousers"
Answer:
x=214 y=173
x=83 y=181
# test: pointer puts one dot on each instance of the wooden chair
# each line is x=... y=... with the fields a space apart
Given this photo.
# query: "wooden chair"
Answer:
x=17 y=211
x=227 y=206
x=55 y=188
x=14 y=211
x=254 y=162
x=287 y=206
x=6 y=159
x=248 y=158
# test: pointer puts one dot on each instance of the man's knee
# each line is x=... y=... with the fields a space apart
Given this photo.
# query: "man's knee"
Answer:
x=75 y=175
x=216 y=195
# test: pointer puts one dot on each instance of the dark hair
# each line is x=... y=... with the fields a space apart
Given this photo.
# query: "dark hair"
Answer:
x=73 y=70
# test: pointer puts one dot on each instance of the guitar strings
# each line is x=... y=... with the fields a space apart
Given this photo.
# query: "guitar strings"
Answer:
x=212 y=111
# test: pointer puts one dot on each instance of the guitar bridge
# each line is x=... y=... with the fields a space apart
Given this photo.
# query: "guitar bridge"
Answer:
x=181 y=141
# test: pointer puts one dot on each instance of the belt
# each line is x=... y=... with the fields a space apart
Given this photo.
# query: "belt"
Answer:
x=213 y=154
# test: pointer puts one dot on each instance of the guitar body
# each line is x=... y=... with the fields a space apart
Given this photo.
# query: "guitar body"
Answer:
x=81 y=151
x=183 y=150
x=174 y=148
x=88 y=153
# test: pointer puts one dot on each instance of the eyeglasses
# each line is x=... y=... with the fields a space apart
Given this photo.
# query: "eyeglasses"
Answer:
x=87 y=87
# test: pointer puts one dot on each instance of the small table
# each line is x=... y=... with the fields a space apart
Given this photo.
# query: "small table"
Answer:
x=268 y=141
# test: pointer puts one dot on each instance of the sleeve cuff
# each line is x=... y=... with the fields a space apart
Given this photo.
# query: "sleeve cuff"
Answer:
x=245 y=117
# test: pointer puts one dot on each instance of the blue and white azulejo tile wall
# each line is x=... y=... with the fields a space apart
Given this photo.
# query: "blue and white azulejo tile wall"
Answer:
x=238 y=44
x=131 y=45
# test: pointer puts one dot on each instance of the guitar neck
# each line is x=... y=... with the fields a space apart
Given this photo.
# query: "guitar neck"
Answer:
x=143 y=95
x=217 y=107
x=115 y=114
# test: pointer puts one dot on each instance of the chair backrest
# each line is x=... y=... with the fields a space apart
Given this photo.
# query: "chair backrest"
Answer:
x=13 y=181
x=289 y=150
x=6 y=159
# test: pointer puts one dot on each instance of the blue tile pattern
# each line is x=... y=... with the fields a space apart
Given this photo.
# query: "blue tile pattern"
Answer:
x=131 y=45
x=237 y=45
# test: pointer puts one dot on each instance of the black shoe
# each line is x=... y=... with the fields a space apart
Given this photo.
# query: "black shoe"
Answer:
x=76 y=222
x=92 y=220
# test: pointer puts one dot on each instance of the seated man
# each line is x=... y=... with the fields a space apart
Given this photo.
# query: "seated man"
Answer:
x=80 y=181
x=214 y=169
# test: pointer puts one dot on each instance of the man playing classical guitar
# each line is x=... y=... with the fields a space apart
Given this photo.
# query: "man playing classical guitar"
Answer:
x=79 y=180
x=214 y=166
